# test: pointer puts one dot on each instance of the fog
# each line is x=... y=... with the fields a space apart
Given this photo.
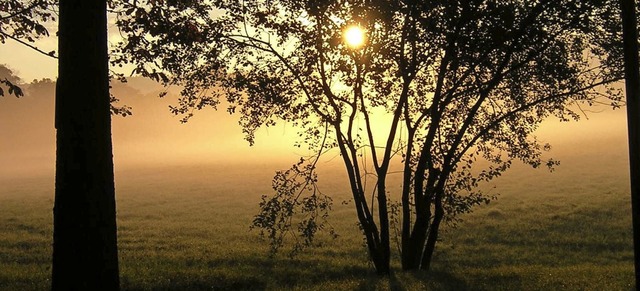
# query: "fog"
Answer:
x=152 y=136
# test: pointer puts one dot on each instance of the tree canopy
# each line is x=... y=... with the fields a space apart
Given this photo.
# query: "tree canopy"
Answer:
x=460 y=86
x=26 y=22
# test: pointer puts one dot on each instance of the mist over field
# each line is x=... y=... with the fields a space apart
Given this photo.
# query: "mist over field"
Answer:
x=187 y=194
x=153 y=136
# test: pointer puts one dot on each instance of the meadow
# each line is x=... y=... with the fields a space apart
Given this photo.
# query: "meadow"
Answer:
x=186 y=227
x=187 y=193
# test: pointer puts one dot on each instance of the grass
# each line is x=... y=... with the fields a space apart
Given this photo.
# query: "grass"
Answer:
x=186 y=228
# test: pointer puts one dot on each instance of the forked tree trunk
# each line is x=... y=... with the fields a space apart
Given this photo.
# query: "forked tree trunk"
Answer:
x=419 y=245
x=377 y=241
x=378 y=251
x=414 y=241
x=84 y=240
x=377 y=244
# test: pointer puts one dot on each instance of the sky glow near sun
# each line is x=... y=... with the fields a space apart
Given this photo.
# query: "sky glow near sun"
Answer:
x=354 y=36
x=142 y=137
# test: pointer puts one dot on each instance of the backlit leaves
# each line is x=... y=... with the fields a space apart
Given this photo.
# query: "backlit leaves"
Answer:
x=464 y=83
x=25 y=21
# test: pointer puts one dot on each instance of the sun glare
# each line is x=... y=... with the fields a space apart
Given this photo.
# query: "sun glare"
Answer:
x=354 y=36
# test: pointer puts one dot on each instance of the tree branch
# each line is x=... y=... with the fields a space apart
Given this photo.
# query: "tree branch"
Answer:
x=524 y=107
x=49 y=54
x=24 y=10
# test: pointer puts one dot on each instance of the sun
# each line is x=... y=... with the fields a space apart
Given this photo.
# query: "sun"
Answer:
x=354 y=36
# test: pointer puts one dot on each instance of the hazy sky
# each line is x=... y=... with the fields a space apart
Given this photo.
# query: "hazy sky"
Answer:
x=30 y=64
x=27 y=63
x=153 y=135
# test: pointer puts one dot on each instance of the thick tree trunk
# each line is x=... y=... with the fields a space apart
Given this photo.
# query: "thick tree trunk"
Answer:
x=632 y=86
x=418 y=249
x=84 y=241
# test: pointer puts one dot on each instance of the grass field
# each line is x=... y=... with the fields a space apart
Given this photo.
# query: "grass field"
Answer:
x=186 y=228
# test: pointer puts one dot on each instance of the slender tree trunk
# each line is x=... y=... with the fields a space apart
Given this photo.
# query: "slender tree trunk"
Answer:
x=412 y=249
x=365 y=217
x=632 y=86
x=84 y=240
x=429 y=248
x=406 y=206
x=383 y=215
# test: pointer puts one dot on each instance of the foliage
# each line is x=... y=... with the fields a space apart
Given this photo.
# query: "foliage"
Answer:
x=277 y=213
x=12 y=88
x=461 y=86
x=8 y=81
x=24 y=22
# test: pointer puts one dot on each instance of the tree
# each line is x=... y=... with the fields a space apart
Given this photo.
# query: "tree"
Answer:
x=632 y=85
x=85 y=255
x=460 y=85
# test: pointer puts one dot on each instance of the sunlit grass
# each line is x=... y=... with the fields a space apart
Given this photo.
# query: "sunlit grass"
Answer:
x=186 y=228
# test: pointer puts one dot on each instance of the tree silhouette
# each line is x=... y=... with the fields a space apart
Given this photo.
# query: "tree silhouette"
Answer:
x=85 y=253
x=632 y=85
x=24 y=22
x=8 y=81
x=459 y=85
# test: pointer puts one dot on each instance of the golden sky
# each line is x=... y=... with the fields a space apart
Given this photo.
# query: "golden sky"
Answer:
x=153 y=135
x=30 y=64
x=27 y=63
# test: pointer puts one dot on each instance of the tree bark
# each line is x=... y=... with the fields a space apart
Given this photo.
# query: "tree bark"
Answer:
x=632 y=86
x=383 y=215
x=413 y=246
x=85 y=253
x=427 y=253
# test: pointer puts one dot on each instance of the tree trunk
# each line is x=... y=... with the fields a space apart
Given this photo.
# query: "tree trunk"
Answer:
x=632 y=86
x=412 y=248
x=84 y=240
x=430 y=246
x=383 y=215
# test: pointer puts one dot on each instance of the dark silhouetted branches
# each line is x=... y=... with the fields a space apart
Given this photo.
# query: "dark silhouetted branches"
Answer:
x=25 y=21
x=461 y=87
x=297 y=211
x=12 y=89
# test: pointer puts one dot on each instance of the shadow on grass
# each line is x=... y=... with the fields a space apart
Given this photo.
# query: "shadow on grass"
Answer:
x=239 y=273
x=448 y=276
x=211 y=283
x=309 y=273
